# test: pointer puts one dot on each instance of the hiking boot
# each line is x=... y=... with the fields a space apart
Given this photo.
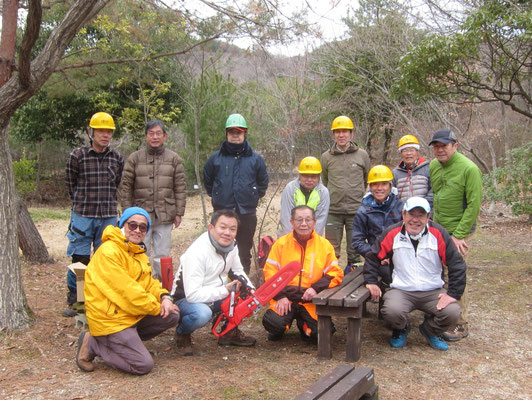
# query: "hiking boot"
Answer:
x=236 y=337
x=398 y=339
x=309 y=339
x=436 y=342
x=275 y=337
x=69 y=313
x=83 y=358
x=457 y=333
x=183 y=343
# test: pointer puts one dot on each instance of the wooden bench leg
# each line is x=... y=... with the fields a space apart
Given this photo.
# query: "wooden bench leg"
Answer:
x=354 y=330
x=324 y=337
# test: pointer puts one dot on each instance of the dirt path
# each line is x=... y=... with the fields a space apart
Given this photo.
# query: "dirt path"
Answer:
x=493 y=363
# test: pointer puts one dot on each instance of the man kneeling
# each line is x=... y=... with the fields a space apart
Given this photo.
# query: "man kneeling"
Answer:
x=320 y=271
x=201 y=282
x=416 y=249
x=124 y=303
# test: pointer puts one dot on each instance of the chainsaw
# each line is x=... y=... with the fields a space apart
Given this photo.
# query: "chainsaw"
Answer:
x=245 y=303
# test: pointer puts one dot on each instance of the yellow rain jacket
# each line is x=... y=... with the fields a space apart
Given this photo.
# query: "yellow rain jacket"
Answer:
x=320 y=267
x=119 y=288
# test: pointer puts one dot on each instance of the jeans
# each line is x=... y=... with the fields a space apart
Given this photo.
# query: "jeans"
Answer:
x=194 y=315
x=83 y=233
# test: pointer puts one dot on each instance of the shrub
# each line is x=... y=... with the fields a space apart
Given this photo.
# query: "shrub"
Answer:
x=514 y=181
x=24 y=171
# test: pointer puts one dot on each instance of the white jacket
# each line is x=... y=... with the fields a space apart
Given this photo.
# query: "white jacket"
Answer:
x=419 y=270
x=203 y=272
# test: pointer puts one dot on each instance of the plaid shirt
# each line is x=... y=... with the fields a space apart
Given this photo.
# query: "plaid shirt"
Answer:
x=92 y=179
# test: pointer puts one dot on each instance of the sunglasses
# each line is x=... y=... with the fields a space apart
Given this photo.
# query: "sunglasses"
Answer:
x=133 y=226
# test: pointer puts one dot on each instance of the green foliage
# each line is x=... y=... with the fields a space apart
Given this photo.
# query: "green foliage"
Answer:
x=50 y=117
x=42 y=214
x=514 y=181
x=211 y=97
x=24 y=171
x=486 y=59
x=363 y=69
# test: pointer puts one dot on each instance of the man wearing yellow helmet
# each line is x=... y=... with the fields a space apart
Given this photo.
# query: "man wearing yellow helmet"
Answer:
x=305 y=190
x=93 y=174
x=380 y=208
x=345 y=170
x=412 y=177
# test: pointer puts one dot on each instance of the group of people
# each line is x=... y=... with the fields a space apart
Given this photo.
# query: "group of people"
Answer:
x=404 y=251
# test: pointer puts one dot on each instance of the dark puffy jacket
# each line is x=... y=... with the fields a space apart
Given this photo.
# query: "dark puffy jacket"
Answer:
x=413 y=182
x=371 y=219
x=235 y=180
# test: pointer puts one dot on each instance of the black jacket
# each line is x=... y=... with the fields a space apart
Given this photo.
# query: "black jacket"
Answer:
x=235 y=180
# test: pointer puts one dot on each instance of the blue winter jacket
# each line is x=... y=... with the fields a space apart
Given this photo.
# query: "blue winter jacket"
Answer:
x=371 y=219
x=235 y=179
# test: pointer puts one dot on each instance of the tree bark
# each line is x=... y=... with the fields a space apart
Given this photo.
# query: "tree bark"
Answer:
x=14 y=311
x=29 y=238
x=9 y=38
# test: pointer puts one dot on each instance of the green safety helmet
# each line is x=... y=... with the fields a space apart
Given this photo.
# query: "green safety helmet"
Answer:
x=236 y=121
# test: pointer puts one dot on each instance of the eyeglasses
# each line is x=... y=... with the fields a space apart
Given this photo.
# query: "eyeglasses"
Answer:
x=307 y=221
x=133 y=227
x=155 y=133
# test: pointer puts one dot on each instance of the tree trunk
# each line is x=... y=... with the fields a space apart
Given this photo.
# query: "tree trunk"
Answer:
x=29 y=238
x=197 y=162
x=388 y=133
x=14 y=310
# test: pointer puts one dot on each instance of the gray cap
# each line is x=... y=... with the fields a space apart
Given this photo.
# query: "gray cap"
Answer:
x=443 y=136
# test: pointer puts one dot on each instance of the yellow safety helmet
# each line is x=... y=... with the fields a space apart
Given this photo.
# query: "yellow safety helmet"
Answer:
x=380 y=173
x=408 y=141
x=309 y=165
x=102 y=120
x=342 y=122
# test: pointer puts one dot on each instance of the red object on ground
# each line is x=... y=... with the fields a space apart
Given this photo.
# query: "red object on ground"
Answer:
x=167 y=272
x=243 y=308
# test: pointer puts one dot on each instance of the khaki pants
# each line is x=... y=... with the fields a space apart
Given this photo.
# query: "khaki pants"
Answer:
x=334 y=232
x=399 y=303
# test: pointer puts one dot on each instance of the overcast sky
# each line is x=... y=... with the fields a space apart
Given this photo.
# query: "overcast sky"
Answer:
x=325 y=14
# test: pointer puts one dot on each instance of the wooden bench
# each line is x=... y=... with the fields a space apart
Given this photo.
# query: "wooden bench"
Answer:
x=343 y=383
x=346 y=300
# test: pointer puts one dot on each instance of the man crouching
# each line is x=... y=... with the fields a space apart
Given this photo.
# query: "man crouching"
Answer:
x=416 y=249
x=201 y=282
x=123 y=302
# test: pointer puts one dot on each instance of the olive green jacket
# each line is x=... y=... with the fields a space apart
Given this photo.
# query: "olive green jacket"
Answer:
x=345 y=174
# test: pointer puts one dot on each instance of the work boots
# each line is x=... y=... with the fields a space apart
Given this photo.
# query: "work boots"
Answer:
x=83 y=358
x=184 y=344
x=236 y=337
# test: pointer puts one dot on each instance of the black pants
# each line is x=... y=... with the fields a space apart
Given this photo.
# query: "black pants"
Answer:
x=244 y=238
x=277 y=324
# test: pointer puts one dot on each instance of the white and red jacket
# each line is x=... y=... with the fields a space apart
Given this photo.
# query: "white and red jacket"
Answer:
x=417 y=268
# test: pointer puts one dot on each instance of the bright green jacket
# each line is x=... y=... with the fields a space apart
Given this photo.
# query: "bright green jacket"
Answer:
x=457 y=186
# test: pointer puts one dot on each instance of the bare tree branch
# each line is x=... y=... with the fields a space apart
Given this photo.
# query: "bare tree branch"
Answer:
x=31 y=34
